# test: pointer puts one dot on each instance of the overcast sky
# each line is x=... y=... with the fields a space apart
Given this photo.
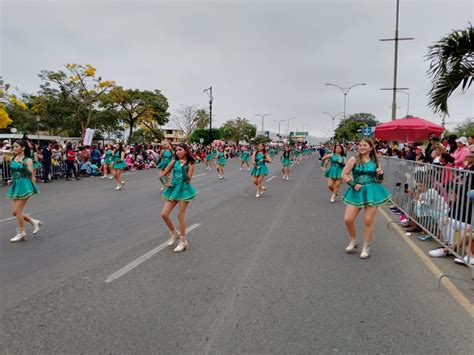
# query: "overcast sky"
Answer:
x=259 y=56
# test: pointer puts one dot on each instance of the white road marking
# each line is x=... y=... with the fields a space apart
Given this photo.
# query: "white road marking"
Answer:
x=271 y=178
x=143 y=258
x=7 y=219
x=195 y=176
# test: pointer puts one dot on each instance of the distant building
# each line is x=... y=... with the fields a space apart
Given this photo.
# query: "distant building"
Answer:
x=173 y=135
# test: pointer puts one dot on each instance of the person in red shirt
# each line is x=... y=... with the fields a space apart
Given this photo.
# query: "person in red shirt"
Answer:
x=70 y=162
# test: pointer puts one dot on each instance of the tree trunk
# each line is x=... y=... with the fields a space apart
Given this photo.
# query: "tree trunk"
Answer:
x=130 y=132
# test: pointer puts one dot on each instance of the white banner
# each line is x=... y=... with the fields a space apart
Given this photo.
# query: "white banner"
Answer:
x=88 y=136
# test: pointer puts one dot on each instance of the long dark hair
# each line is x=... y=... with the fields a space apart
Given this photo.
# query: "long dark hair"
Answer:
x=189 y=154
x=26 y=148
x=343 y=153
x=120 y=148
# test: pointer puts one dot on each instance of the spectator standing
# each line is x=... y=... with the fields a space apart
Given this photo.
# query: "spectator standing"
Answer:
x=461 y=152
x=47 y=155
x=70 y=162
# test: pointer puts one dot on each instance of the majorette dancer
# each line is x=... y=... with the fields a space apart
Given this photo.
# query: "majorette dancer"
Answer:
x=337 y=161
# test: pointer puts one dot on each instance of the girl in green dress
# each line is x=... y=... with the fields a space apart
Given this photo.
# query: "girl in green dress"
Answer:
x=21 y=188
x=245 y=158
x=166 y=156
x=365 y=191
x=337 y=160
x=260 y=170
x=179 y=191
x=221 y=162
x=118 y=165
x=35 y=157
x=108 y=161
x=209 y=157
x=286 y=162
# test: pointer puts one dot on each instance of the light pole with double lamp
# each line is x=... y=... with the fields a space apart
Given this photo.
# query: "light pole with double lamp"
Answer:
x=279 y=121
x=345 y=91
x=288 y=127
x=333 y=117
x=263 y=116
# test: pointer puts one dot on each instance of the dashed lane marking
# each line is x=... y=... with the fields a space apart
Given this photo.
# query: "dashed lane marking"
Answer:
x=271 y=178
x=143 y=258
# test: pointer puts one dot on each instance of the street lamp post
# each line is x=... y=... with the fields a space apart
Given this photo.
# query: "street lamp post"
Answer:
x=211 y=98
x=408 y=97
x=333 y=117
x=263 y=116
x=345 y=91
x=38 y=119
x=279 y=121
x=288 y=126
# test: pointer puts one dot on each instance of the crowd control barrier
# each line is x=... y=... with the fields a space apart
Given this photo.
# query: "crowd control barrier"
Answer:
x=438 y=199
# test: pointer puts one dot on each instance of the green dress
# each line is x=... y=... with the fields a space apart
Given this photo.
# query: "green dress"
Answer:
x=118 y=163
x=221 y=160
x=21 y=186
x=245 y=156
x=260 y=168
x=36 y=164
x=209 y=155
x=337 y=165
x=179 y=189
x=285 y=159
x=165 y=159
x=371 y=193
x=108 y=157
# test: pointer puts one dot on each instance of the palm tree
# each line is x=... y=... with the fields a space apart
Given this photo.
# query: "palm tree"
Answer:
x=452 y=65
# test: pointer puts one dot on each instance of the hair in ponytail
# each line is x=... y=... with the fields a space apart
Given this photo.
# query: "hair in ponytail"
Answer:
x=25 y=146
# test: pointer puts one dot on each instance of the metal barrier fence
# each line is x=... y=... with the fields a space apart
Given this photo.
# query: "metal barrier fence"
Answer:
x=437 y=199
x=58 y=168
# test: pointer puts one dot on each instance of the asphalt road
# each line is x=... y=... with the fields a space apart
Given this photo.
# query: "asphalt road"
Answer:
x=264 y=275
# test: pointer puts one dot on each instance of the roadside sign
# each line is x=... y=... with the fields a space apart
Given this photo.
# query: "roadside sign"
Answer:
x=201 y=140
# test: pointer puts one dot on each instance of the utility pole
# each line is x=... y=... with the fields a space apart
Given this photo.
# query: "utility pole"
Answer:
x=333 y=117
x=263 y=116
x=395 y=66
x=209 y=93
x=279 y=121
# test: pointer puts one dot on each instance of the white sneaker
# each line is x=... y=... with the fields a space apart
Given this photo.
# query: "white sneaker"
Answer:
x=284 y=177
x=174 y=237
x=263 y=188
x=464 y=260
x=240 y=169
x=365 y=252
x=119 y=187
x=248 y=169
x=181 y=246
x=36 y=226
x=221 y=177
x=352 y=246
x=437 y=253
x=122 y=182
x=257 y=195
x=20 y=235
x=111 y=177
x=104 y=177
x=333 y=198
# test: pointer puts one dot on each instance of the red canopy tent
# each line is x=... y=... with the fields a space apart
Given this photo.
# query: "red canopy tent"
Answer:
x=407 y=129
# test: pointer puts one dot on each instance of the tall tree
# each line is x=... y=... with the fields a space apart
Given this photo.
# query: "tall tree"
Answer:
x=137 y=107
x=348 y=128
x=189 y=118
x=452 y=66
x=82 y=88
x=238 y=129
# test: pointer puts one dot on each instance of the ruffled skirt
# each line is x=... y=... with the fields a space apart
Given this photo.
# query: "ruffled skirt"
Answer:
x=373 y=194
x=21 y=188
x=259 y=171
x=180 y=192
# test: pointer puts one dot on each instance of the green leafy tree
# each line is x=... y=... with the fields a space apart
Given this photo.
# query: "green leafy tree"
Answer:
x=142 y=136
x=207 y=137
x=451 y=67
x=81 y=87
x=261 y=140
x=238 y=129
x=202 y=119
x=464 y=129
x=137 y=107
x=349 y=128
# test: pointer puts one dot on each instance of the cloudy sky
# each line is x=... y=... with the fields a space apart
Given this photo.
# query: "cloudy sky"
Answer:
x=259 y=56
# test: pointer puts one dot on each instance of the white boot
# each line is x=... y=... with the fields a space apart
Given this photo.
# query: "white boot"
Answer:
x=174 y=237
x=365 y=251
x=352 y=246
x=36 y=225
x=20 y=235
x=183 y=244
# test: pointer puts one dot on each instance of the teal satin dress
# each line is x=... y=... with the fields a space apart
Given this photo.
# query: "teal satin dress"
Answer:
x=337 y=165
x=118 y=163
x=166 y=159
x=245 y=156
x=372 y=193
x=260 y=168
x=108 y=157
x=21 y=186
x=221 y=160
x=36 y=164
x=179 y=189
x=285 y=160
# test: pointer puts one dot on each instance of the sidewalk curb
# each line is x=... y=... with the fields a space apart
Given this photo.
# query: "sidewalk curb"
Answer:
x=457 y=295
